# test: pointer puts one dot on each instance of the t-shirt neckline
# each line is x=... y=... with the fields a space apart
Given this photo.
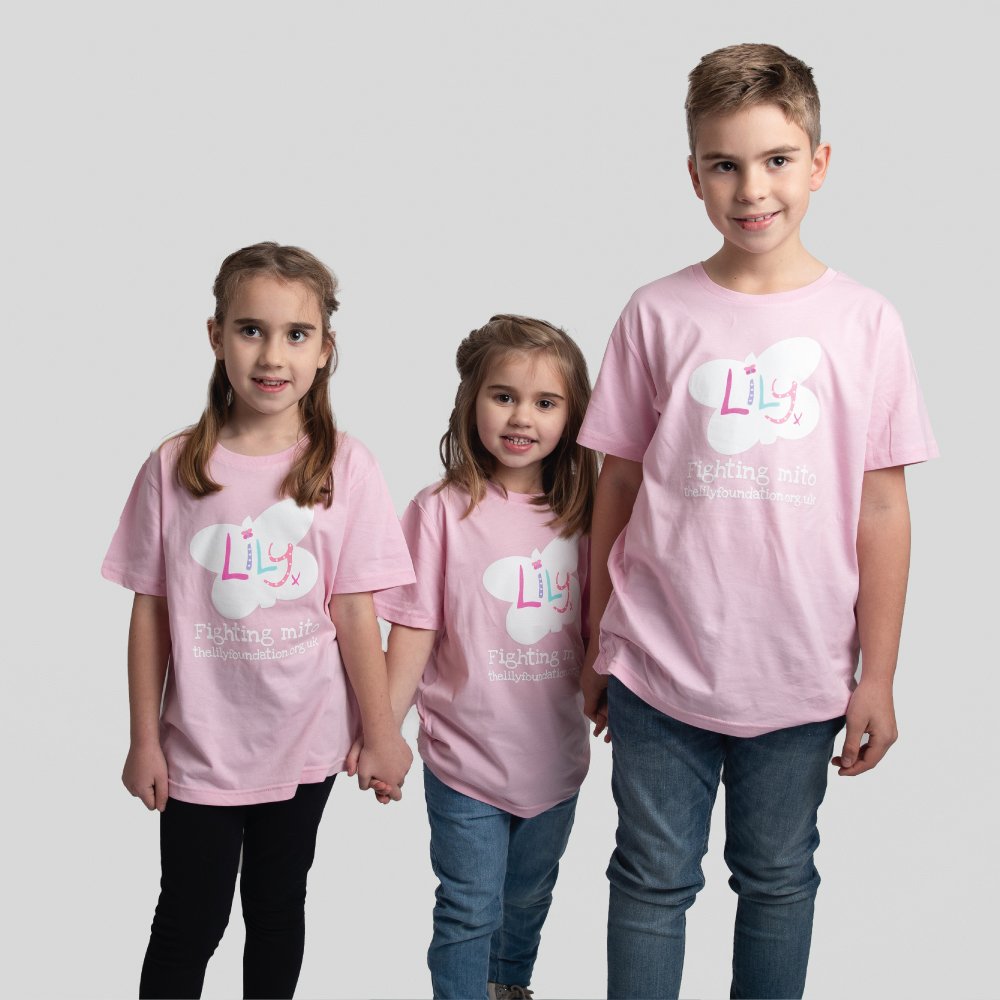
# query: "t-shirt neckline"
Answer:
x=237 y=461
x=768 y=298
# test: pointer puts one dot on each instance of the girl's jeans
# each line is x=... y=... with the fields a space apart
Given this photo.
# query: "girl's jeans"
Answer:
x=665 y=776
x=200 y=855
x=496 y=874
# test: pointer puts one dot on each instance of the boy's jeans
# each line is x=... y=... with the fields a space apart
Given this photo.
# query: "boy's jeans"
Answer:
x=496 y=873
x=665 y=777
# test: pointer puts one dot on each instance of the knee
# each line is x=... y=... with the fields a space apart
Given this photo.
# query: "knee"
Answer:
x=273 y=908
x=476 y=913
x=779 y=880
x=669 y=882
x=193 y=933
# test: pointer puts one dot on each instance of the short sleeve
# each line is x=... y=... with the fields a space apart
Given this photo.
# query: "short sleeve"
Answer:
x=899 y=429
x=135 y=557
x=420 y=604
x=622 y=416
x=373 y=553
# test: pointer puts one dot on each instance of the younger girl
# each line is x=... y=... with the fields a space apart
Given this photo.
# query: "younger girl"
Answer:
x=496 y=617
x=253 y=542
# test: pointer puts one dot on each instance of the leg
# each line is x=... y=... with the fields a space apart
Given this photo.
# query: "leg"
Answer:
x=533 y=854
x=199 y=855
x=774 y=786
x=469 y=857
x=278 y=850
x=665 y=776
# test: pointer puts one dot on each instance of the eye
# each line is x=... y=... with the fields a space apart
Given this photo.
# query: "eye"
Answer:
x=297 y=336
x=725 y=167
x=778 y=161
x=250 y=331
x=547 y=404
x=503 y=397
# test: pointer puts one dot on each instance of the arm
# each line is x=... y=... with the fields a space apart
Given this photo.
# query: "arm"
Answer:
x=385 y=756
x=617 y=488
x=407 y=655
x=145 y=771
x=883 y=566
x=409 y=650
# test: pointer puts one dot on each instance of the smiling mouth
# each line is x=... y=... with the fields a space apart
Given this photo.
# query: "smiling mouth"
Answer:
x=271 y=383
x=518 y=440
x=756 y=218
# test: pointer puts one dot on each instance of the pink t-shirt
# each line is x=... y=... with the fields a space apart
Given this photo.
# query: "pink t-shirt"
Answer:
x=256 y=698
x=501 y=714
x=755 y=418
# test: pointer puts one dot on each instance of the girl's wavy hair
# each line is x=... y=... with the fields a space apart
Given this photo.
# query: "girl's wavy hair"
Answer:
x=569 y=472
x=741 y=76
x=310 y=479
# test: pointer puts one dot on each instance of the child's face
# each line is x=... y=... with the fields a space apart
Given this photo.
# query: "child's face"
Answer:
x=755 y=171
x=272 y=344
x=521 y=413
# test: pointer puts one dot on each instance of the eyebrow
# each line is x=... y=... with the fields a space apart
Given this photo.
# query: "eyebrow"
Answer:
x=510 y=388
x=777 y=151
x=248 y=320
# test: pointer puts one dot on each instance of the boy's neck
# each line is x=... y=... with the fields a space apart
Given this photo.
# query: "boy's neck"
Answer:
x=763 y=274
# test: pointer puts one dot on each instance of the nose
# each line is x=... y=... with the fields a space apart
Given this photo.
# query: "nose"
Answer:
x=753 y=186
x=272 y=352
x=520 y=416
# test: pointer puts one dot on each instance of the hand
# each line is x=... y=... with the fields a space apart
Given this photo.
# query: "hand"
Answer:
x=869 y=711
x=145 y=775
x=380 y=788
x=383 y=764
x=595 y=694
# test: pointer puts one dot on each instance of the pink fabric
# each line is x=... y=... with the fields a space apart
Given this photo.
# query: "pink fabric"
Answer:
x=755 y=418
x=500 y=706
x=256 y=699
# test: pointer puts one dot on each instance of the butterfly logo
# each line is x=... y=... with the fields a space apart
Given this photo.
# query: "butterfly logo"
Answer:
x=259 y=561
x=543 y=588
x=760 y=398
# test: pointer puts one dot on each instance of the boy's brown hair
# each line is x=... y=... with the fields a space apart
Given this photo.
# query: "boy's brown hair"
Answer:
x=740 y=76
x=310 y=479
x=569 y=473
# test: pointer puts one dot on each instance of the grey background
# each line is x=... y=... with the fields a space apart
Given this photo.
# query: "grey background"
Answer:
x=449 y=161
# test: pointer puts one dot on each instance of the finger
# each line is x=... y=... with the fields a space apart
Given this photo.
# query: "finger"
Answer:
x=147 y=796
x=160 y=793
x=870 y=754
x=364 y=783
x=852 y=743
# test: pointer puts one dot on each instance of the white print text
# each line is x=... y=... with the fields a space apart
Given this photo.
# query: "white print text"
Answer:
x=213 y=653
x=237 y=633
x=523 y=675
x=733 y=468
x=530 y=657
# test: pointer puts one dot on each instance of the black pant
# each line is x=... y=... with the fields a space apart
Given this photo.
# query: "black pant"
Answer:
x=200 y=855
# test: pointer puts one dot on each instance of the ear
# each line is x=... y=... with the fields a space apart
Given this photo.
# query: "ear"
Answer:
x=324 y=355
x=693 y=172
x=820 y=165
x=215 y=338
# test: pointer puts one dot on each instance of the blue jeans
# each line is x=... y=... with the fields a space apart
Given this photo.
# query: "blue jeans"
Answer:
x=665 y=777
x=496 y=873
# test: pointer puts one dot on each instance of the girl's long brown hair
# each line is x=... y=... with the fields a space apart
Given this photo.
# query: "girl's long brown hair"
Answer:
x=310 y=479
x=569 y=472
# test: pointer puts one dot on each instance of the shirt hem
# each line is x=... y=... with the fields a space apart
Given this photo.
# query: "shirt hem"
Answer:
x=250 y=796
x=522 y=812
x=746 y=730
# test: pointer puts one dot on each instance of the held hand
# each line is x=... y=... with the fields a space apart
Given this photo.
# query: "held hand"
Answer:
x=383 y=765
x=595 y=695
x=353 y=756
x=145 y=775
x=870 y=711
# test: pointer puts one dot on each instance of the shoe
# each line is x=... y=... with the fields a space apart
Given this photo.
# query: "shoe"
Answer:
x=501 y=991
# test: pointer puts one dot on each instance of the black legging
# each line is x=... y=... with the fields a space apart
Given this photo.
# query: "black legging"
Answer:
x=200 y=854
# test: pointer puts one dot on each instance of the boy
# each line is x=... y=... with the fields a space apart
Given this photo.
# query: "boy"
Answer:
x=750 y=536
